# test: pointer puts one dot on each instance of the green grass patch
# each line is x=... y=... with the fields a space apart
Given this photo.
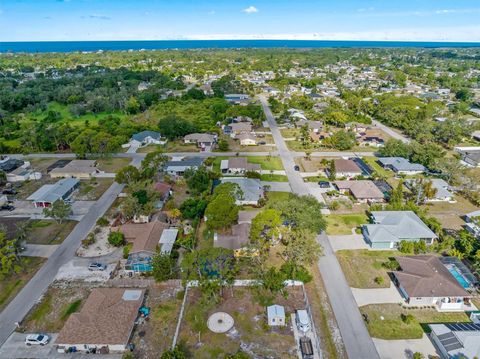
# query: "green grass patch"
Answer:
x=273 y=197
x=273 y=178
x=316 y=179
x=338 y=224
x=42 y=309
x=382 y=172
x=8 y=290
x=385 y=320
x=72 y=308
x=40 y=223
x=267 y=163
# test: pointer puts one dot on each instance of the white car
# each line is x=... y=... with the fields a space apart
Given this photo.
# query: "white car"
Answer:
x=37 y=339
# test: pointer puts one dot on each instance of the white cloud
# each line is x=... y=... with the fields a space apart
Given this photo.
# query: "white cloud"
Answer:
x=250 y=10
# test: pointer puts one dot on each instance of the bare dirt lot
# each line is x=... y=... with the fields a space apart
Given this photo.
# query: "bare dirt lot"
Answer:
x=251 y=334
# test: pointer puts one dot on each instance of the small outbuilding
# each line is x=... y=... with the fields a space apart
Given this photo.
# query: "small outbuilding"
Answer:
x=276 y=315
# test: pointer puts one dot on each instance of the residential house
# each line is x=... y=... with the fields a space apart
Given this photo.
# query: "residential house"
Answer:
x=144 y=138
x=442 y=190
x=319 y=136
x=456 y=340
x=363 y=191
x=178 y=167
x=164 y=189
x=473 y=223
x=104 y=323
x=424 y=280
x=470 y=155
x=81 y=169
x=476 y=135
x=238 y=165
x=247 y=139
x=313 y=126
x=276 y=315
x=252 y=190
x=202 y=140
x=237 y=238
x=46 y=195
x=401 y=165
x=388 y=228
x=167 y=240
x=17 y=170
x=237 y=98
x=238 y=128
x=145 y=237
x=345 y=169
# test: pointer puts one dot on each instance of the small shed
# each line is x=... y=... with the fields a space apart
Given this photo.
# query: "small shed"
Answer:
x=276 y=315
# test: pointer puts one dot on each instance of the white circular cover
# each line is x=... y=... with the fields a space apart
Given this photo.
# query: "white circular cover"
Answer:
x=220 y=322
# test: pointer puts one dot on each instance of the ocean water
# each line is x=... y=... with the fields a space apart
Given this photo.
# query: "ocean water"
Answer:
x=71 y=46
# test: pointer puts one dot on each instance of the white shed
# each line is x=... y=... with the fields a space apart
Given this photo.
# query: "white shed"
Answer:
x=276 y=315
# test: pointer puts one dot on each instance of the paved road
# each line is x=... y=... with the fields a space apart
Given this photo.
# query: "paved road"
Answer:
x=33 y=290
x=358 y=343
x=390 y=132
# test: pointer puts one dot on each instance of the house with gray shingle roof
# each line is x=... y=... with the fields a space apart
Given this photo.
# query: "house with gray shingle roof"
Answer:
x=145 y=138
x=401 y=165
x=388 y=228
x=252 y=190
x=178 y=167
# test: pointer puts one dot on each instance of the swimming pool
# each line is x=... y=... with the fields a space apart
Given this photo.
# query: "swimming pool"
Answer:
x=458 y=276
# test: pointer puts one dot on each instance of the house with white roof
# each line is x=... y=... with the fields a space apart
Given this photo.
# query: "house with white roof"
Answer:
x=252 y=190
x=401 y=165
x=456 y=340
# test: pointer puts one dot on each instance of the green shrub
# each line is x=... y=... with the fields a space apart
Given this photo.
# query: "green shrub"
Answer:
x=116 y=239
x=102 y=222
x=407 y=318
x=88 y=241
x=379 y=280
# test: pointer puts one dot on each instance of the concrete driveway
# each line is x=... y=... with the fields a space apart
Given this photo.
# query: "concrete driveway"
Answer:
x=348 y=241
x=15 y=347
x=377 y=296
x=77 y=269
x=405 y=348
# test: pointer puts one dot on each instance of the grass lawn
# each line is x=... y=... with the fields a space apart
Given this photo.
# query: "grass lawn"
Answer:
x=449 y=213
x=274 y=178
x=51 y=313
x=266 y=163
x=171 y=146
x=47 y=231
x=290 y=132
x=13 y=283
x=392 y=326
x=25 y=189
x=112 y=164
x=372 y=162
x=344 y=223
x=93 y=189
x=362 y=266
x=316 y=179
x=273 y=197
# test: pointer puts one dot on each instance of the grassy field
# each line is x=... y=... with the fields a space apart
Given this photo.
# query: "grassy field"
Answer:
x=391 y=326
x=47 y=231
x=361 y=267
x=13 y=283
x=273 y=178
x=382 y=172
x=51 y=313
x=273 y=197
x=112 y=164
x=344 y=223
x=266 y=163
x=91 y=190
x=290 y=132
x=449 y=214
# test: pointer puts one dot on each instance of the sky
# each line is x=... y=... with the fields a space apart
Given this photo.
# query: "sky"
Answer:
x=77 y=20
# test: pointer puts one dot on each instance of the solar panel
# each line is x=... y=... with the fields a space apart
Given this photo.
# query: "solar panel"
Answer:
x=463 y=326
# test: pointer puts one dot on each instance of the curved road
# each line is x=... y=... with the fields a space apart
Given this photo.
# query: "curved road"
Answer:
x=357 y=340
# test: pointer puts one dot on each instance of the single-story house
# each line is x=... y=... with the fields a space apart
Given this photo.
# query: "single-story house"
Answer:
x=105 y=322
x=238 y=165
x=49 y=193
x=178 y=167
x=470 y=155
x=319 y=136
x=145 y=237
x=167 y=240
x=202 y=140
x=346 y=169
x=164 y=189
x=81 y=169
x=388 y=228
x=238 y=238
x=252 y=189
x=362 y=191
x=401 y=165
x=247 y=139
x=313 y=126
x=240 y=127
x=17 y=170
x=145 y=138
x=456 y=340
x=473 y=223
x=237 y=98
x=276 y=315
x=371 y=139
x=425 y=281
x=442 y=193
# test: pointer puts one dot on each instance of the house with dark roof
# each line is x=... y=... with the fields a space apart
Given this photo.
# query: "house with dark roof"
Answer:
x=178 y=167
x=389 y=228
x=401 y=165
x=105 y=322
x=145 y=138
x=456 y=340
x=424 y=280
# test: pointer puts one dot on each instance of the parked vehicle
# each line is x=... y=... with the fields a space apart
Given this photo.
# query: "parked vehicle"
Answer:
x=296 y=168
x=306 y=348
x=302 y=320
x=37 y=339
x=7 y=207
x=324 y=184
x=97 y=266
x=262 y=143
x=10 y=191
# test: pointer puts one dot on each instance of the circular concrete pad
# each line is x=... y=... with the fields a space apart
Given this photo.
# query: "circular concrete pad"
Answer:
x=220 y=322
